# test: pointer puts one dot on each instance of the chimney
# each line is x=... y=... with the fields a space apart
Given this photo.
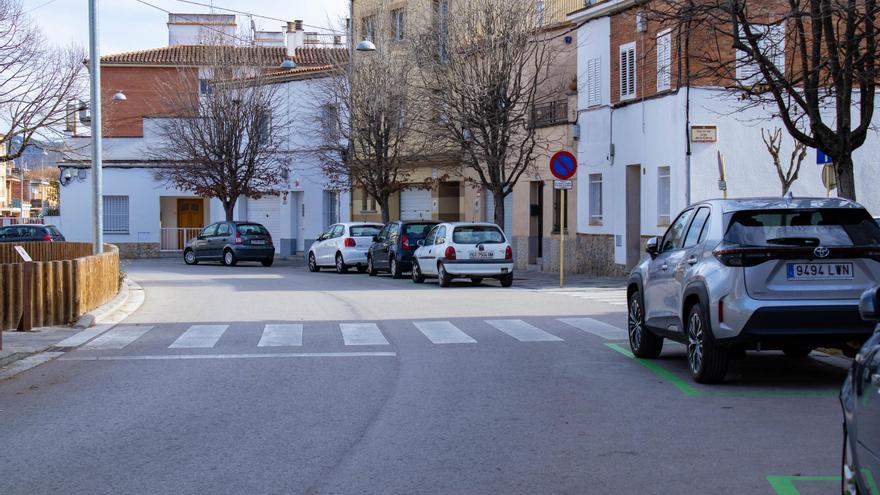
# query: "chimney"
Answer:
x=337 y=40
x=295 y=36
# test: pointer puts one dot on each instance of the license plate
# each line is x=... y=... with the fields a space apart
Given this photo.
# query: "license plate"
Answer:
x=820 y=271
x=481 y=255
x=258 y=243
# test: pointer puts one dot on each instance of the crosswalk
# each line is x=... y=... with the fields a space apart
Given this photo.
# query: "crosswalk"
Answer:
x=604 y=295
x=362 y=334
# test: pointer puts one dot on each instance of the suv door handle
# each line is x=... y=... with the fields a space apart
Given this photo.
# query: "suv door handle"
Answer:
x=692 y=260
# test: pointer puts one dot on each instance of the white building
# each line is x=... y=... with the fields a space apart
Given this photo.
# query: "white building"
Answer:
x=634 y=173
x=146 y=217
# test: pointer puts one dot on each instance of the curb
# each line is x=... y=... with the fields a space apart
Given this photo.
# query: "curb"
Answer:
x=88 y=319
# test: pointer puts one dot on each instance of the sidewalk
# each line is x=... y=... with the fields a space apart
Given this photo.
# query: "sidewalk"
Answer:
x=24 y=350
x=536 y=280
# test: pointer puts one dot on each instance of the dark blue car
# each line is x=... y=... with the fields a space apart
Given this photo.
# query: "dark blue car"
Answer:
x=393 y=247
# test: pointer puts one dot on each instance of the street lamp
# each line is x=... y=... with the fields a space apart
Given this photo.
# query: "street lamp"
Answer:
x=119 y=96
x=97 y=158
x=366 y=46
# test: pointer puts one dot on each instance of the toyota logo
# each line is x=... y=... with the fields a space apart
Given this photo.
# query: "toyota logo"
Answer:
x=821 y=252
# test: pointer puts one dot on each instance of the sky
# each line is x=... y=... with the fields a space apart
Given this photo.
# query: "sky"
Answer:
x=128 y=25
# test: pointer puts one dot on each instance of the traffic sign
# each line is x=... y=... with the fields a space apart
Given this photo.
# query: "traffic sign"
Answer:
x=822 y=158
x=562 y=184
x=563 y=165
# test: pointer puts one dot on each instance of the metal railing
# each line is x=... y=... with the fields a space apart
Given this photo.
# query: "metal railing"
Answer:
x=4 y=221
x=550 y=114
x=176 y=239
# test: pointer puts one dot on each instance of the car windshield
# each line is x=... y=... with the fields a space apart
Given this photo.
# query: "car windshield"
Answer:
x=365 y=230
x=829 y=227
x=416 y=232
x=53 y=230
x=477 y=234
x=252 y=229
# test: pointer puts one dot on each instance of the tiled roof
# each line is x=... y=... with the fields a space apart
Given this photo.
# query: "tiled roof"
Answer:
x=196 y=55
x=282 y=75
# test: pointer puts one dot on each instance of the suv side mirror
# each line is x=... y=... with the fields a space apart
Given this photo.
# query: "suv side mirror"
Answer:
x=653 y=247
x=869 y=304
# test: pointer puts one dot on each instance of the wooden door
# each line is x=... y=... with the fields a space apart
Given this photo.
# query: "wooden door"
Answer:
x=190 y=216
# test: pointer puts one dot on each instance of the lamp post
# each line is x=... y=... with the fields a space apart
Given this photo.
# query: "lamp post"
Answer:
x=97 y=165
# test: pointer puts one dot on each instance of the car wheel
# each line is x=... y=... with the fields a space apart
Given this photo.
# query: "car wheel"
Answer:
x=394 y=268
x=189 y=257
x=706 y=359
x=313 y=263
x=476 y=280
x=340 y=264
x=229 y=258
x=371 y=270
x=643 y=343
x=797 y=351
x=268 y=262
x=507 y=280
x=417 y=276
x=442 y=276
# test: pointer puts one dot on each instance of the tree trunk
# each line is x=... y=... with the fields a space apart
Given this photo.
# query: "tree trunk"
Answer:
x=846 y=183
x=229 y=209
x=383 y=206
x=499 y=196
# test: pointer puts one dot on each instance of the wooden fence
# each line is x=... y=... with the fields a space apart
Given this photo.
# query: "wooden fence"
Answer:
x=68 y=281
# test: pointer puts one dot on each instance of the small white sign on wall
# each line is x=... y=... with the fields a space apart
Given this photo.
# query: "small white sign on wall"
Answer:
x=704 y=134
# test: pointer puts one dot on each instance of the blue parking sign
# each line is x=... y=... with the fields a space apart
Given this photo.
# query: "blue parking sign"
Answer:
x=822 y=158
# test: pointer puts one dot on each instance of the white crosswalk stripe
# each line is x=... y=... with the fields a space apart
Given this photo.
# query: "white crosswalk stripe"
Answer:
x=117 y=338
x=281 y=336
x=616 y=297
x=443 y=332
x=596 y=327
x=362 y=334
x=199 y=336
x=523 y=331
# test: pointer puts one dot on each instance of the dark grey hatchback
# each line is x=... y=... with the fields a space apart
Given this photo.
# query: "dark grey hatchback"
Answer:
x=30 y=233
x=229 y=243
x=392 y=249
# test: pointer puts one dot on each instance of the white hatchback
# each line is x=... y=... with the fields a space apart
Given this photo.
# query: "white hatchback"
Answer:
x=342 y=246
x=464 y=250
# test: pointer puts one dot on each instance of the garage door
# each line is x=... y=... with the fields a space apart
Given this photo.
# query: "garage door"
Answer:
x=267 y=212
x=415 y=204
x=508 y=212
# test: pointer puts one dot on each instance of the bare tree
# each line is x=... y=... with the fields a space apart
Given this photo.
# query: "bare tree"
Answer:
x=484 y=62
x=37 y=81
x=369 y=117
x=773 y=142
x=223 y=141
x=813 y=60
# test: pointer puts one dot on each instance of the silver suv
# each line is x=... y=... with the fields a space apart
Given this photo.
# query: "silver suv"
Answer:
x=736 y=275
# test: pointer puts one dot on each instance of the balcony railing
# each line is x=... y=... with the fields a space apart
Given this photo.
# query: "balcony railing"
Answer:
x=550 y=114
x=176 y=239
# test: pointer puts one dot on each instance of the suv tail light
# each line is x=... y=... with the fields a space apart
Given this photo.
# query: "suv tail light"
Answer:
x=450 y=253
x=238 y=237
x=349 y=242
x=508 y=253
x=740 y=256
x=404 y=241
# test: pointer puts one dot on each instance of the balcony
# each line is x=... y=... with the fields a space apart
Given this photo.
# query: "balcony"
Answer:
x=550 y=114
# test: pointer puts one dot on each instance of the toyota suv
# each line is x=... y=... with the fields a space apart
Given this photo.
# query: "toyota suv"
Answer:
x=755 y=274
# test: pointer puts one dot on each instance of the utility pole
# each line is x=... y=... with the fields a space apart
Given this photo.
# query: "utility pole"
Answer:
x=97 y=165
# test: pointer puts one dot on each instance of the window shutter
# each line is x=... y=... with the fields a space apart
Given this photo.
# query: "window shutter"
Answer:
x=594 y=81
x=627 y=71
x=664 y=61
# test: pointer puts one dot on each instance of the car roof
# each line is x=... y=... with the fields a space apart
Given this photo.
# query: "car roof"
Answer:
x=779 y=203
x=359 y=224
x=28 y=225
x=410 y=222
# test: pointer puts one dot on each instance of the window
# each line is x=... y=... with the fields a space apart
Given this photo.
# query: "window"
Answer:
x=595 y=199
x=331 y=210
x=368 y=28
x=771 y=44
x=831 y=227
x=478 y=234
x=251 y=229
x=698 y=227
x=416 y=232
x=664 y=195
x=264 y=126
x=664 y=60
x=115 y=214
x=398 y=24
x=330 y=121
x=594 y=82
x=440 y=236
x=540 y=12
x=205 y=87
x=429 y=239
x=675 y=235
x=223 y=230
x=338 y=231
x=628 y=71
x=365 y=230
x=368 y=204
x=442 y=7
x=557 y=204
x=209 y=231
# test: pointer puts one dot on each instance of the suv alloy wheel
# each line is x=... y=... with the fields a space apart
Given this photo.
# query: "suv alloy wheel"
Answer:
x=642 y=343
x=706 y=360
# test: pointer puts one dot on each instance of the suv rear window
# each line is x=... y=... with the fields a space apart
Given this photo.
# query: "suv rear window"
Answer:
x=251 y=229
x=830 y=227
x=417 y=231
x=477 y=234
x=365 y=230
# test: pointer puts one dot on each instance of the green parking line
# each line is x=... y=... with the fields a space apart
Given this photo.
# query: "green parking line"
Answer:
x=690 y=391
x=784 y=485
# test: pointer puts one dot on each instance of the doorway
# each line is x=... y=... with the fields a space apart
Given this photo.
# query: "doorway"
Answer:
x=633 y=215
x=190 y=214
x=536 y=222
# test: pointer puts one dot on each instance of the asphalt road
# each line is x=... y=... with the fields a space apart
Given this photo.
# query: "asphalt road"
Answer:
x=256 y=380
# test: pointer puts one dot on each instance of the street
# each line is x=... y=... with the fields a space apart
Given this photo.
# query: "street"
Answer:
x=276 y=380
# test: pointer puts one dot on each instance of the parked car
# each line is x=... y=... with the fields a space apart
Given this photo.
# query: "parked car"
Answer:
x=860 y=398
x=229 y=243
x=393 y=247
x=734 y=275
x=464 y=250
x=343 y=245
x=30 y=233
